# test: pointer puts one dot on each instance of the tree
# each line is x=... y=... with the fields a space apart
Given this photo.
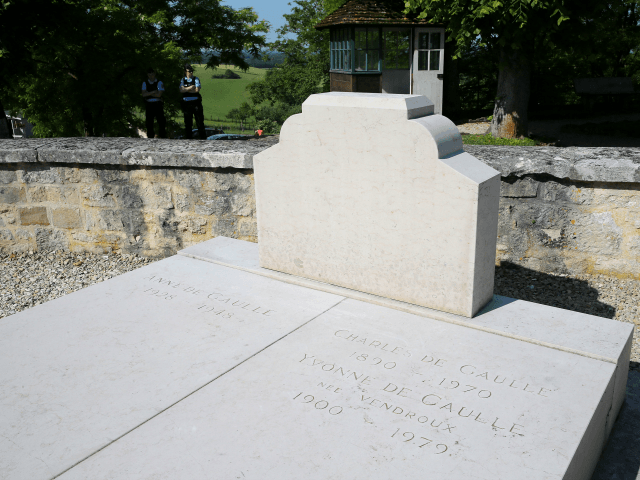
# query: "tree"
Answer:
x=520 y=31
x=305 y=69
x=83 y=72
x=241 y=113
x=331 y=6
x=511 y=25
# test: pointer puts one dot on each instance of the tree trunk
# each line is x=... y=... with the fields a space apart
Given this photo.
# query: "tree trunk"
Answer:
x=510 y=114
x=5 y=125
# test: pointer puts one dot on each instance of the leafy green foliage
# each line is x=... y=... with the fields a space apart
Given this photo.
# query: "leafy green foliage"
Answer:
x=268 y=127
x=478 y=67
x=244 y=112
x=83 y=72
x=510 y=24
x=604 y=42
x=549 y=41
x=332 y=5
x=305 y=69
x=277 y=113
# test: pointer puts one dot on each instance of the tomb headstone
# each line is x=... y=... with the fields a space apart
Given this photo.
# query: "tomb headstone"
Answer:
x=373 y=192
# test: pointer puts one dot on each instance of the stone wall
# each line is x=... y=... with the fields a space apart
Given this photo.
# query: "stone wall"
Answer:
x=129 y=195
x=568 y=210
x=563 y=210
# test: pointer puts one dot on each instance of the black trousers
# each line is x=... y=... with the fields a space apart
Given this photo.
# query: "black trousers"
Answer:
x=192 y=109
x=155 y=110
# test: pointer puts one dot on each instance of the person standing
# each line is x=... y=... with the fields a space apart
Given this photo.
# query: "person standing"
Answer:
x=152 y=90
x=192 y=103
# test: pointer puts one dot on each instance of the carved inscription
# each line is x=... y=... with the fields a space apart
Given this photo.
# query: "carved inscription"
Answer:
x=451 y=396
x=213 y=302
x=320 y=404
x=421 y=442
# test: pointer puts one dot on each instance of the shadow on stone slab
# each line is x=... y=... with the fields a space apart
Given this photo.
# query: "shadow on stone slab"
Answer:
x=516 y=281
x=621 y=457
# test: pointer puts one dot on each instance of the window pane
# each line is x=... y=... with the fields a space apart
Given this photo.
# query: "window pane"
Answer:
x=434 y=60
x=403 y=60
x=422 y=60
x=372 y=38
x=422 y=40
x=435 y=41
x=372 y=59
x=389 y=40
x=403 y=49
x=339 y=60
x=347 y=60
x=361 y=60
x=403 y=41
x=361 y=38
x=389 y=60
x=390 y=45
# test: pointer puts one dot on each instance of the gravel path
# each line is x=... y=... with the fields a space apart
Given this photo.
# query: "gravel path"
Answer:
x=27 y=280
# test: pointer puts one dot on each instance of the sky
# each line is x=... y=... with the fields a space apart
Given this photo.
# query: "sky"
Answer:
x=269 y=10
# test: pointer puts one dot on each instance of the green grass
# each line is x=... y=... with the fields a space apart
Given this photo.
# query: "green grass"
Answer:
x=220 y=95
x=490 y=140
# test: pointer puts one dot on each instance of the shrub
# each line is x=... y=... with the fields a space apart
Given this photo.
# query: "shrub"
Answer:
x=228 y=73
x=268 y=126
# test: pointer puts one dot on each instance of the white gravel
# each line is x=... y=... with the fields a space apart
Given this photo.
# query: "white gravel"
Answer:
x=27 y=280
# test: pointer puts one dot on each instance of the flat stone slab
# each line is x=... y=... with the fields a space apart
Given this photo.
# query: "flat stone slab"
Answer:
x=81 y=371
x=367 y=392
x=572 y=332
x=204 y=367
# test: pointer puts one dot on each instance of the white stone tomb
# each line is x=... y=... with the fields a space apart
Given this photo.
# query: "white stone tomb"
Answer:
x=208 y=365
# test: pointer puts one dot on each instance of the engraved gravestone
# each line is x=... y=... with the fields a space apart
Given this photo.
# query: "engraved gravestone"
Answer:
x=373 y=192
x=208 y=365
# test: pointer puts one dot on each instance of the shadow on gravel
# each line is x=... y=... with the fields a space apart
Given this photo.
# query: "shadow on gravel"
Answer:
x=519 y=282
x=621 y=457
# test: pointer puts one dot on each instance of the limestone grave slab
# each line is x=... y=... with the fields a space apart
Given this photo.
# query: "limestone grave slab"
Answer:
x=366 y=392
x=373 y=192
x=80 y=371
x=556 y=328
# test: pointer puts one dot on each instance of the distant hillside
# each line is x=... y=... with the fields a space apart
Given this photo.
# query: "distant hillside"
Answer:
x=274 y=58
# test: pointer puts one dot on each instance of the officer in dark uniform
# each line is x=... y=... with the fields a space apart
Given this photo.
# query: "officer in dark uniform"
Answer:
x=192 y=103
x=152 y=90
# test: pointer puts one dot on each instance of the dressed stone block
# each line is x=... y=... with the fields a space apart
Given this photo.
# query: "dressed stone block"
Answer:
x=373 y=192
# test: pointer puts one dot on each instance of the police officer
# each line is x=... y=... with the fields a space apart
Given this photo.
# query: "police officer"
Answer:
x=152 y=90
x=192 y=103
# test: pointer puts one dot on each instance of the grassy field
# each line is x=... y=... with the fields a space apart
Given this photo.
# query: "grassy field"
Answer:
x=220 y=95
